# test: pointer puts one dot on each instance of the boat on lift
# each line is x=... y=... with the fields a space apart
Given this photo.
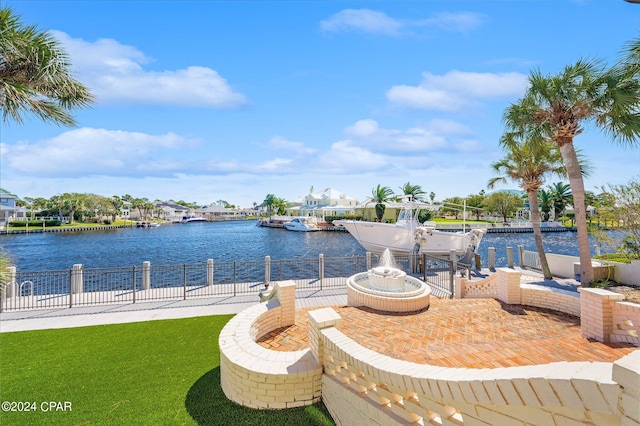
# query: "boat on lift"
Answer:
x=408 y=236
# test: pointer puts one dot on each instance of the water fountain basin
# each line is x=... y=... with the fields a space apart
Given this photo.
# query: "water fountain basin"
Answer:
x=391 y=291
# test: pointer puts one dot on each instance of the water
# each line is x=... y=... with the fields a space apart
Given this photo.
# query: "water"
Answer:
x=221 y=241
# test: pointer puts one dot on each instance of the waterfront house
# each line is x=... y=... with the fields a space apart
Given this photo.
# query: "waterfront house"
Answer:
x=9 y=211
x=328 y=202
x=215 y=212
x=171 y=212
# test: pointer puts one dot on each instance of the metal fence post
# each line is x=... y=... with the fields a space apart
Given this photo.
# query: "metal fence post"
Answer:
x=184 y=281
x=234 y=278
x=368 y=260
x=321 y=269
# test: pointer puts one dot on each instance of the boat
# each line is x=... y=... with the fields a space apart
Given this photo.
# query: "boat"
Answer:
x=302 y=224
x=147 y=224
x=192 y=219
x=274 y=221
x=408 y=236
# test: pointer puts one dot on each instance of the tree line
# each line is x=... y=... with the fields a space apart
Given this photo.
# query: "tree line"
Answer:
x=93 y=207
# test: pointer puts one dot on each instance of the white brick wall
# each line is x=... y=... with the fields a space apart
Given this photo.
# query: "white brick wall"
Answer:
x=256 y=377
x=360 y=386
x=363 y=387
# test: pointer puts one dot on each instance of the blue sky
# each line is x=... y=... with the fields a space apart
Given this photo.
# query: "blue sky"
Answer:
x=232 y=100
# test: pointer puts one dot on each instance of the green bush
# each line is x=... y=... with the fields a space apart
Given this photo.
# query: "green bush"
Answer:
x=34 y=223
x=107 y=221
x=330 y=219
x=617 y=257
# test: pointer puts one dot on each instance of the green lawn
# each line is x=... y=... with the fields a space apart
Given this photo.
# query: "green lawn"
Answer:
x=149 y=373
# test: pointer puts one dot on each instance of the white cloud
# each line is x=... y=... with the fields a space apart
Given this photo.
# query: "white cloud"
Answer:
x=456 y=90
x=364 y=20
x=367 y=133
x=376 y=22
x=346 y=158
x=362 y=128
x=88 y=151
x=280 y=143
x=454 y=22
x=114 y=72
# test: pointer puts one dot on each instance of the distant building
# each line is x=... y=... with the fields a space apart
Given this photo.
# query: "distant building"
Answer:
x=171 y=212
x=328 y=202
x=215 y=212
x=9 y=211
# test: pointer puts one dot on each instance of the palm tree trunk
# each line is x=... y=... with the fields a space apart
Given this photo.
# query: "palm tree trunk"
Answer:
x=574 y=173
x=537 y=232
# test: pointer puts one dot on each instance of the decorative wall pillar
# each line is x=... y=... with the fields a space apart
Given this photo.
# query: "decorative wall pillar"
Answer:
x=459 y=289
x=596 y=312
x=77 y=279
x=626 y=372
x=209 y=272
x=11 y=287
x=287 y=299
x=491 y=254
x=509 y=286
x=146 y=275
x=318 y=320
x=267 y=269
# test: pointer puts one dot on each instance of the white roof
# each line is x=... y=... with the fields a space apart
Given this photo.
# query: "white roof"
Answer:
x=330 y=193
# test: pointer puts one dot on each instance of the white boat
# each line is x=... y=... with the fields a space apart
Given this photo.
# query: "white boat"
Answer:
x=408 y=236
x=147 y=224
x=302 y=224
x=191 y=219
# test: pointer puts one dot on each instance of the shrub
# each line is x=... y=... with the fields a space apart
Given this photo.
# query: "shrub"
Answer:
x=107 y=221
x=617 y=257
x=34 y=223
x=330 y=219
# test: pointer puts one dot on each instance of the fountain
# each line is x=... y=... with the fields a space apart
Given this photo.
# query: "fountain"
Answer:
x=387 y=288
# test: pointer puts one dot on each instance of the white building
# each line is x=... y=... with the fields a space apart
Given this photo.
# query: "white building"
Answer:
x=329 y=202
x=9 y=211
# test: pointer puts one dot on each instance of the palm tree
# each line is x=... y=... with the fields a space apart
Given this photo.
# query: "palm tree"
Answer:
x=35 y=74
x=380 y=195
x=562 y=197
x=545 y=199
x=280 y=205
x=415 y=191
x=268 y=202
x=558 y=106
x=73 y=202
x=528 y=163
x=432 y=196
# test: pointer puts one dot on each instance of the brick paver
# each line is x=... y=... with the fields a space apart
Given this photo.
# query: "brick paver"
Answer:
x=474 y=333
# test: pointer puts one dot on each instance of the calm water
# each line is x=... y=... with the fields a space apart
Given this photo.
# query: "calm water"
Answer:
x=221 y=241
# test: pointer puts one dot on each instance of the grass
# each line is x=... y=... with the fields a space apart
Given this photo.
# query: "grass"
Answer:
x=149 y=373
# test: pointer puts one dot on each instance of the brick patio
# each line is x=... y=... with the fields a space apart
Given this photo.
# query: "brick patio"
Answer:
x=473 y=333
